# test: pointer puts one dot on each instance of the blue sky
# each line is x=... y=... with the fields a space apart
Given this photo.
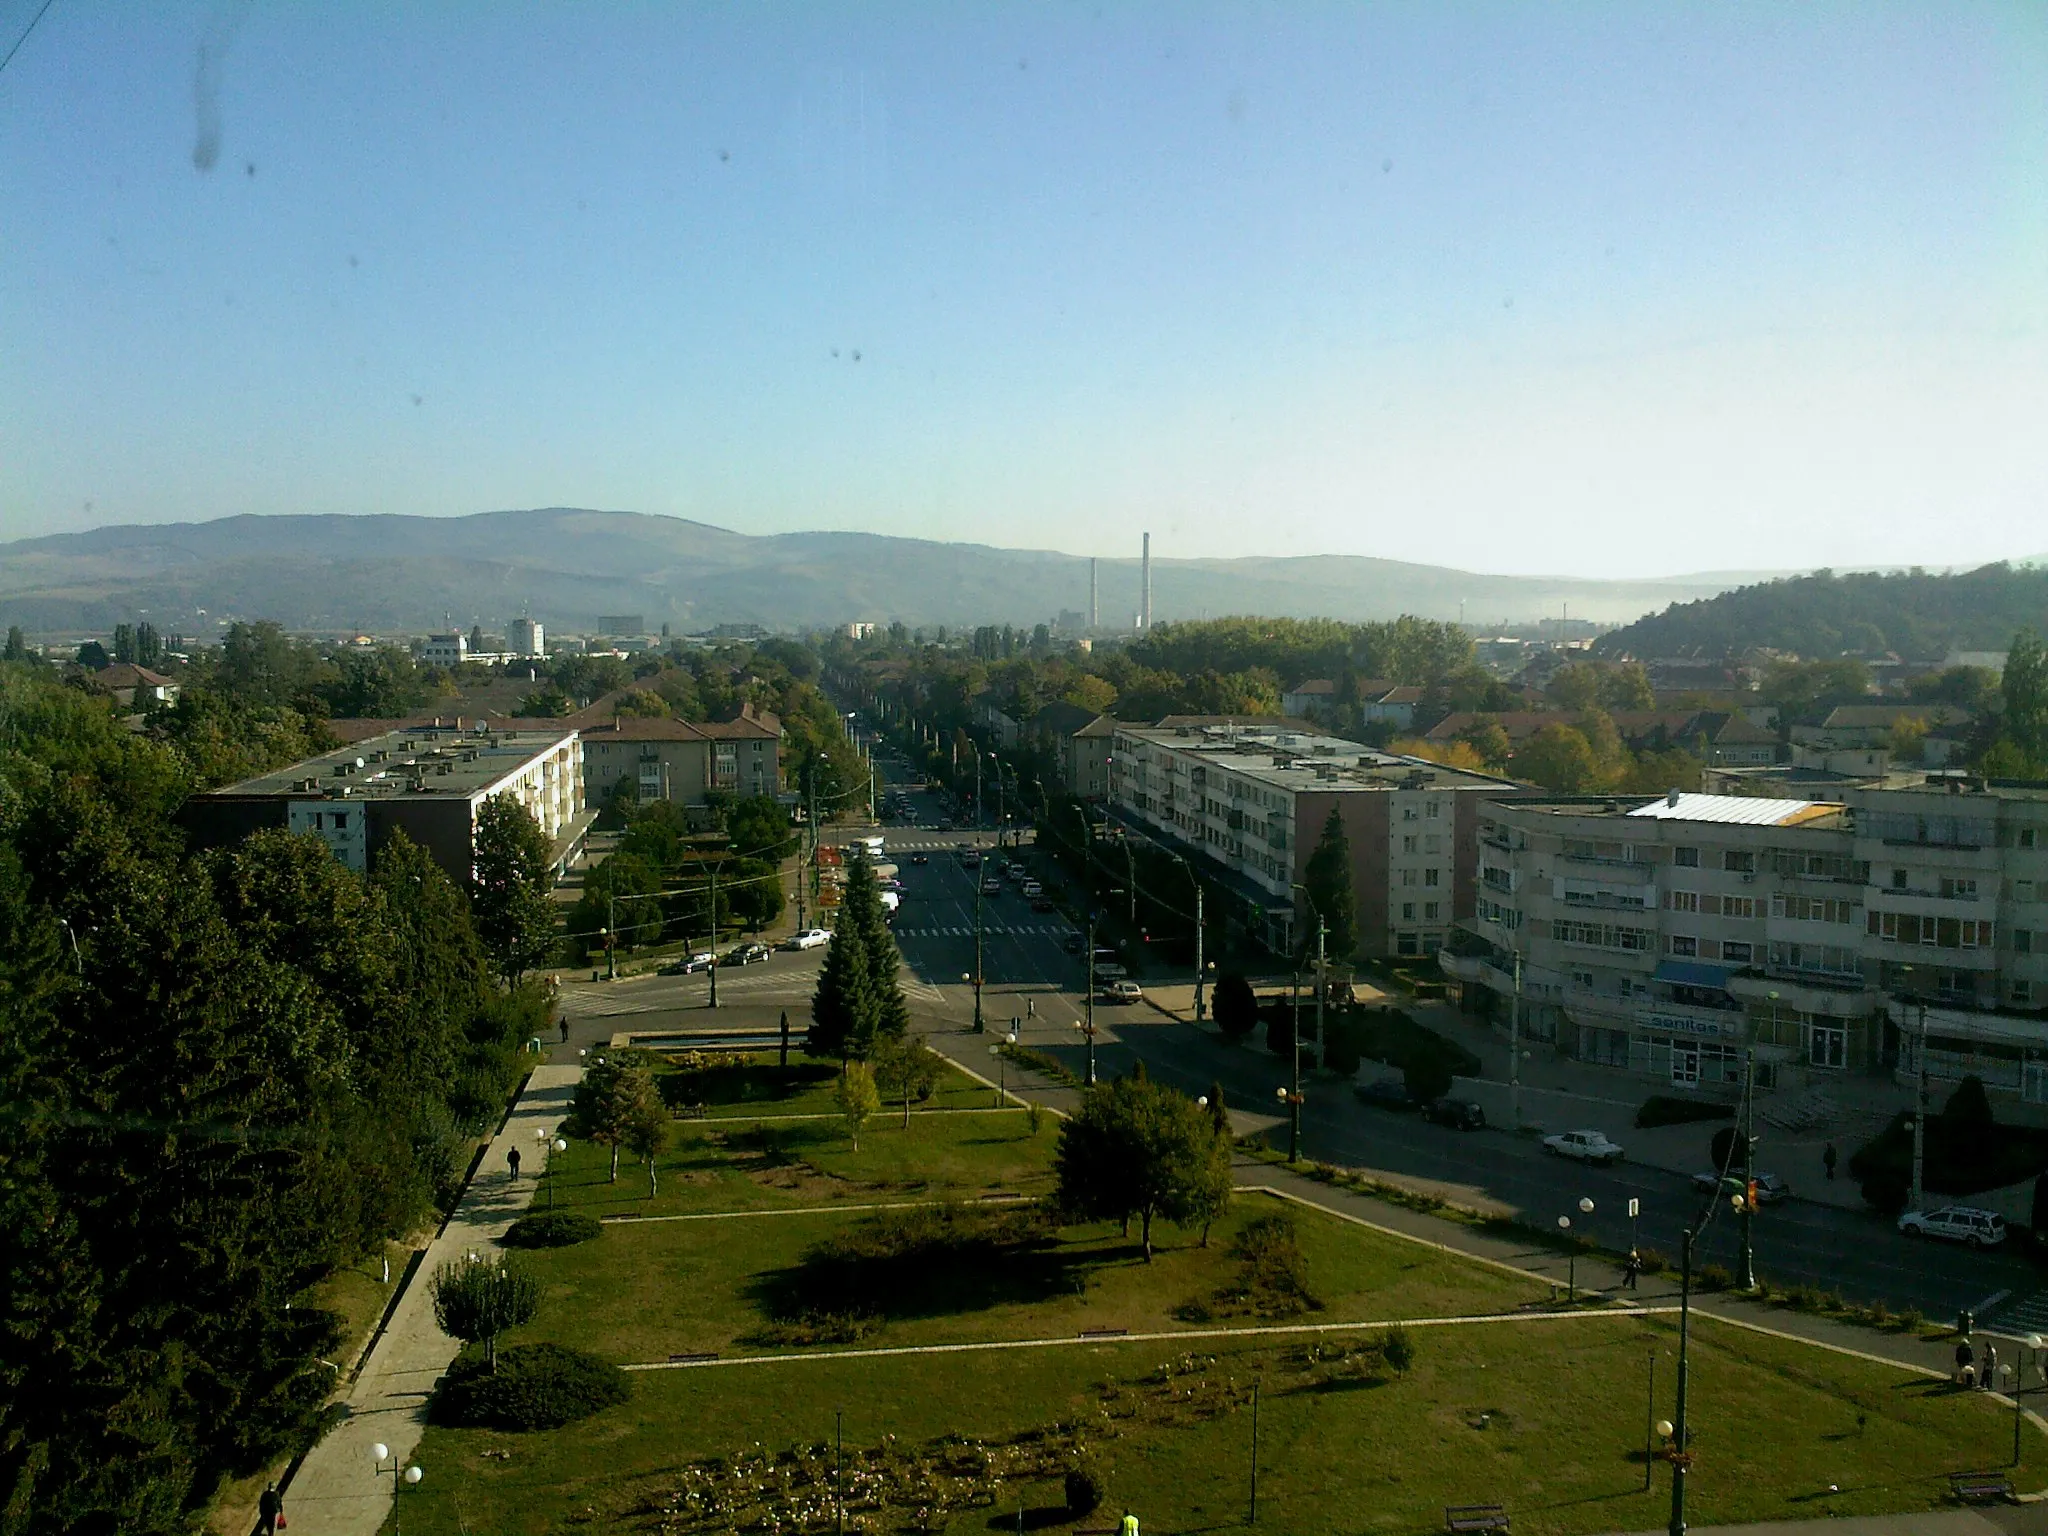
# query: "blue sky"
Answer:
x=1612 y=290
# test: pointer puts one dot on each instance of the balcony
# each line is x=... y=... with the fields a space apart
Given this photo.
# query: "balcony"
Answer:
x=1644 y=873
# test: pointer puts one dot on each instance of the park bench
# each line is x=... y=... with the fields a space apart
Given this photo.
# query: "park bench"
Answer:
x=699 y=1357
x=1475 y=1517
x=1980 y=1487
x=1104 y=1333
x=690 y=1112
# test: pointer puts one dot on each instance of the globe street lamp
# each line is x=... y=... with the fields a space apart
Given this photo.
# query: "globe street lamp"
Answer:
x=1086 y=1028
x=1564 y=1224
x=549 y=1146
x=1292 y=1099
x=1002 y=1065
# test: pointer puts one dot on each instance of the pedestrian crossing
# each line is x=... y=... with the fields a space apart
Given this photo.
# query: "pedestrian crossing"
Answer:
x=2027 y=1314
x=989 y=930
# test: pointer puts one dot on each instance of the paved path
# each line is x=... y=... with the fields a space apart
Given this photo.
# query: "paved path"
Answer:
x=335 y=1492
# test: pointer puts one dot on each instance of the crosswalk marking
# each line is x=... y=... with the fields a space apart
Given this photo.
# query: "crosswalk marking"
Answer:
x=1010 y=930
x=2030 y=1313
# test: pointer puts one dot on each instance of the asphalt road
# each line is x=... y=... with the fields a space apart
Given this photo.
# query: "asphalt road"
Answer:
x=1030 y=978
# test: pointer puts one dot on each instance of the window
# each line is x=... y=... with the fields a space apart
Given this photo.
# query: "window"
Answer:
x=1429 y=876
x=1407 y=911
x=2023 y=941
x=1686 y=858
x=2026 y=838
x=1831 y=959
x=1738 y=906
x=1583 y=979
x=1432 y=911
x=1828 y=1046
x=1958 y=888
x=1813 y=909
x=2023 y=991
x=1898 y=879
x=1738 y=861
x=2023 y=890
x=1605 y=936
x=1684 y=944
x=1435 y=807
x=1734 y=952
x=1408 y=814
x=1407 y=877
x=1432 y=844
x=1408 y=844
x=1682 y=901
x=1404 y=944
x=1941 y=932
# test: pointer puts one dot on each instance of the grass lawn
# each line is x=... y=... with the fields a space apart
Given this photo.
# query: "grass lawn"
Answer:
x=646 y=1290
x=736 y=1164
x=1775 y=1424
x=807 y=1088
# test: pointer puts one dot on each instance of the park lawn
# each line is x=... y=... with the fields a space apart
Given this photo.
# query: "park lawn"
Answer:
x=646 y=1290
x=743 y=1165
x=808 y=1087
x=1776 y=1422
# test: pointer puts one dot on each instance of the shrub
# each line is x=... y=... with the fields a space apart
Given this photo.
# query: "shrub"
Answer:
x=1665 y=1109
x=1909 y=1320
x=1275 y=1276
x=1653 y=1262
x=536 y=1386
x=1234 y=1006
x=1715 y=1277
x=1398 y=1349
x=1084 y=1487
x=552 y=1229
x=1034 y=1116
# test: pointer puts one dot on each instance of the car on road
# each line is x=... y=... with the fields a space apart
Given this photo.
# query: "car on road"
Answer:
x=1122 y=991
x=1583 y=1146
x=1042 y=903
x=991 y=886
x=689 y=965
x=1033 y=888
x=1458 y=1114
x=970 y=859
x=1964 y=1224
x=1770 y=1189
x=809 y=938
x=920 y=858
x=746 y=954
x=1387 y=1093
x=1109 y=970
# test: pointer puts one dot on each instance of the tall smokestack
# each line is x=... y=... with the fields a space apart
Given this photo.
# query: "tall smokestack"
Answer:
x=1094 y=610
x=1145 y=603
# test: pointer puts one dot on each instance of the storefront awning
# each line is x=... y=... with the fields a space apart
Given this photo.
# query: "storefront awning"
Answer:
x=1694 y=973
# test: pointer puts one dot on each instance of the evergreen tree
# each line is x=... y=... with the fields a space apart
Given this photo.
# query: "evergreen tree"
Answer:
x=508 y=889
x=17 y=645
x=859 y=999
x=1328 y=878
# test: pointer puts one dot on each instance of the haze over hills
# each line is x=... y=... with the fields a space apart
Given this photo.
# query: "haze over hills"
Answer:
x=567 y=566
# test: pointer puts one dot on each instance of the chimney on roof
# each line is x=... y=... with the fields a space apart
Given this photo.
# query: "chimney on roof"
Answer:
x=1671 y=798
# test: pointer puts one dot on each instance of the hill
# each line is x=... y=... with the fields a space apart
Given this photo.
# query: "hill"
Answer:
x=566 y=566
x=1922 y=615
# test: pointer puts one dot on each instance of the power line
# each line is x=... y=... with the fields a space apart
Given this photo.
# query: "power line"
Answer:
x=25 y=32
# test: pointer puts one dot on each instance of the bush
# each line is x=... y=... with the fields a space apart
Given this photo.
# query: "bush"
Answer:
x=1653 y=1261
x=1234 y=1006
x=1427 y=1078
x=1715 y=1277
x=1084 y=1488
x=536 y=1386
x=552 y=1229
x=1398 y=1349
x=1665 y=1109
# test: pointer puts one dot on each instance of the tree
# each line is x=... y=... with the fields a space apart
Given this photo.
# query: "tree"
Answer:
x=646 y=1135
x=858 y=1098
x=1489 y=742
x=475 y=1300
x=2025 y=687
x=1328 y=879
x=17 y=645
x=859 y=998
x=905 y=1069
x=1428 y=1077
x=612 y=1096
x=93 y=656
x=1234 y=1006
x=510 y=876
x=1558 y=758
x=1134 y=1148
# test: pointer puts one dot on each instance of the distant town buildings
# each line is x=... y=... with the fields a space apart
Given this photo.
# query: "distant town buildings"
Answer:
x=527 y=638
x=445 y=651
x=678 y=761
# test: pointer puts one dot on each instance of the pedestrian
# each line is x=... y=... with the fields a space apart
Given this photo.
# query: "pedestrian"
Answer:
x=1130 y=1524
x=269 y=1512
x=565 y=1041
x=1631 y=1267
x=1965 y=1358
x=1030 y=1007
x=1987 y=1378
x=512 y=1161
x=1827 y=1159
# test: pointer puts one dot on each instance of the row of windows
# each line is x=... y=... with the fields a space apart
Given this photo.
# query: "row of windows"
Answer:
x=1604 y=935
x=1829 y=959
x=1434 y=810
x=1813 y=909
x=1941 y=932
x=1733 y=951
x=1432 y=911
x=1429 y=877
x=1710 y=904
x=1430 y=844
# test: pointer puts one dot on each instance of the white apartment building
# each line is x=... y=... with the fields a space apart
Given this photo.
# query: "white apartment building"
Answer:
x=443 y=650
x=527 y=638
x=1250 y=797
x=1663 y=938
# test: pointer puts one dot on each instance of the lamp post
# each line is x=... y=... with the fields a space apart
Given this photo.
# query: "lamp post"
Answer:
x=400 y=1475
x=1002 y=1066
x=1292 y=1099
x=1564 y=1225
x=1680 y=1457
x=1322 y=968
x=1087 y=1025
x=549 y=1146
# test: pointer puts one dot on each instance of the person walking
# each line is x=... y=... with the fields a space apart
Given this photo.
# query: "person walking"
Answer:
x=512 y=1162
x=1129 y=1527
x=565 y=1041
x=269 y=1511
x=1965 y=1360
x=1987 y=1378
x=1631 y=1267
x=1827 y=1159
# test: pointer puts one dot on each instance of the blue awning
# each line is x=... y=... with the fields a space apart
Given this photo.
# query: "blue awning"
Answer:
x=1694 y=973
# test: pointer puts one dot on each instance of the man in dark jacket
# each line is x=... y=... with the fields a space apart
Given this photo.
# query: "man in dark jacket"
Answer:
x=269 y=1511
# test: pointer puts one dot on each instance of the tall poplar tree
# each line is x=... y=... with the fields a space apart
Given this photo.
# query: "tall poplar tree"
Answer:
x=1328 y=878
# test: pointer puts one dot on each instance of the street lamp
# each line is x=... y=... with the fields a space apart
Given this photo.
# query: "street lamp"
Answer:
x=549 y=1146
x=1002 y=1066
x=1086 y=1029
x=1564 y=1225
x=1292 y=1099
x=974 y=980
x=408 y=1476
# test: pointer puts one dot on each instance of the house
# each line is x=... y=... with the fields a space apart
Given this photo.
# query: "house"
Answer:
x=679 y=760
x=1310 y=700
x=1391 y=706
x=134 y=687
x=1078 y=741
x=1872 y=725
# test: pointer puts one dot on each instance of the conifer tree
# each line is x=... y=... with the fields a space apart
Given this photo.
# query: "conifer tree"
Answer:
x=859 y=999
x=1328 y=878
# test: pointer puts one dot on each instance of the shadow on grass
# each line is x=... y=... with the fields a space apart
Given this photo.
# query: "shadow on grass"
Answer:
x=727 y=1083
x=934 y=1262
x=1042 y=1518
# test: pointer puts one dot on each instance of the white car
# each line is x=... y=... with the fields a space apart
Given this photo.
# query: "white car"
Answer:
x=810 y=938
x=1122 y=992
x=1585 y=1146
x=1958 y=1223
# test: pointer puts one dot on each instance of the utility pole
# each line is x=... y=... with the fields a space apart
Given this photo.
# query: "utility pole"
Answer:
x=1515 y=1050
x=980 y=821
x=1088 y=999
x=714 y=935
x=1748 y=1275
x=979 y=1026
x=1920 y=1120
x=1322 y=989
x=611 y=940
x=1198 y=953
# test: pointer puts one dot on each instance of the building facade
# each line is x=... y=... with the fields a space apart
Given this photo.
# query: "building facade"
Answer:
x=1252 y=797
x=444 y=650
x=427 y=781
x=1664 y=939
x=682 y=762
x=526 y=638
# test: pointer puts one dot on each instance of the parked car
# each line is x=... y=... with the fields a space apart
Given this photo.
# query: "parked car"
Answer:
x=920 y=858
x=810 y=938
x=1459 y=1114
x=1109 y=970
x=1770 y=1189
x=688 y=965
x=1958 y=1223
x=1583 y=1146
x=1121 y=991
x=745 y=954
x=1387 y=1093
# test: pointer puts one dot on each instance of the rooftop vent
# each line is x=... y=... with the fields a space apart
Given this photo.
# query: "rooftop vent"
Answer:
x=1671 y=798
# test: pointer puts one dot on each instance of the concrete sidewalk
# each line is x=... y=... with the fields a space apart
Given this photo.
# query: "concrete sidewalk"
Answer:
x=336 y=1491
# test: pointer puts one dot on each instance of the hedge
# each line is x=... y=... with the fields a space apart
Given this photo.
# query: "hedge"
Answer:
x=536 y=1386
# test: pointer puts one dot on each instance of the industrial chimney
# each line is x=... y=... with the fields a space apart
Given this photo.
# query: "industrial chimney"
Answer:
x=1145 y=602
x=1094 y=612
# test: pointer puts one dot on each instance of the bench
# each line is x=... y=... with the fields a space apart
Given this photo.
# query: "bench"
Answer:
x=1475 y=1517
x=1980 y=1487
x=690 y=1112
x=1104 y=1333
x=699 y=1357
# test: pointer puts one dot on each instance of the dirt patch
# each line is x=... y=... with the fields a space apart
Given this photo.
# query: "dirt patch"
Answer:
x=802 y=1179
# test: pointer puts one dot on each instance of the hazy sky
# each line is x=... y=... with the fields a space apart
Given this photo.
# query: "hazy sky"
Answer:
x=1611 y=289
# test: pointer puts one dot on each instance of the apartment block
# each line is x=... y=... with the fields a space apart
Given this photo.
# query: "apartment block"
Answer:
x=682 y=762
x=1663 y=939
x=427 y=781
x=1250 y=797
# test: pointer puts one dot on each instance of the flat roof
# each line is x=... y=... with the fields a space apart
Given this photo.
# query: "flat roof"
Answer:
x=1294 y=759
x=427 y=761
x=1735 y=810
